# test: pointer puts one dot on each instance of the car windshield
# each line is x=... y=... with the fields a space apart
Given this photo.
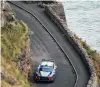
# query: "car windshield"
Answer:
x=46 y=68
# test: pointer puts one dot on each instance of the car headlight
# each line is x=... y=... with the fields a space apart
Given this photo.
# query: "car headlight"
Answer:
x=37 y=77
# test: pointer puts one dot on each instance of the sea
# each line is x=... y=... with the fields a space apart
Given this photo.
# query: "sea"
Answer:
x=83 y=18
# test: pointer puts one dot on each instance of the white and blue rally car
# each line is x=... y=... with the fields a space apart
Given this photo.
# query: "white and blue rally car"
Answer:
x=46 y=71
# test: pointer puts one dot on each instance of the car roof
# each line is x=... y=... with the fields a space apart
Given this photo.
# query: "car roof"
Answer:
x=47 y=63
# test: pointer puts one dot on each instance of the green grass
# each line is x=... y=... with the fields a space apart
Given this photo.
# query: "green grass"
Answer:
x=13 y=37
x=13 y=40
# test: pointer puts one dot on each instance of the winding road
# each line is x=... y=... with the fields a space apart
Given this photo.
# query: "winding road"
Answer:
x=44 y=46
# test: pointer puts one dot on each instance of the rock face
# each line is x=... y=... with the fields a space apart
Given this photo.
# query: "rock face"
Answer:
x=55 y=13
x=6 y=13
x=25 y=60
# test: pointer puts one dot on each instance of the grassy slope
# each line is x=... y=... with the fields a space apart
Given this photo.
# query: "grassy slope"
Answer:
x=13 y=40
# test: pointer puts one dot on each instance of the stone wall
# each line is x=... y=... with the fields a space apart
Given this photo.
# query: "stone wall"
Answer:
x=71 y=37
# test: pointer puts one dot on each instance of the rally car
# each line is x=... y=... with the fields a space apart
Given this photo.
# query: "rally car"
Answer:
x=46 y=71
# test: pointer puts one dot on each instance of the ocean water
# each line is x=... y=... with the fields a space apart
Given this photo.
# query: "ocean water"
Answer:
x=83 y=18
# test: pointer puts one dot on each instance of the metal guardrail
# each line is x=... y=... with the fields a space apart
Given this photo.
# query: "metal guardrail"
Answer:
x=66 y=55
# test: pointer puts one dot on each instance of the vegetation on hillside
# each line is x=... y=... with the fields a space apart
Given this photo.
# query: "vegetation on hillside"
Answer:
x=13 y=40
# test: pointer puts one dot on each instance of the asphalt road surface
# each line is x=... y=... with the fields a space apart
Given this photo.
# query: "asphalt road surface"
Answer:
x=43 y=46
